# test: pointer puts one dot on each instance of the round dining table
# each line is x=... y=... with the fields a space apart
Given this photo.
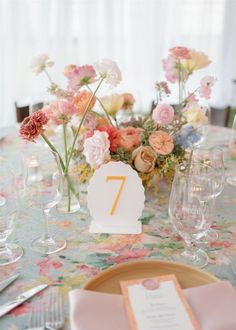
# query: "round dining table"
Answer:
x=87 y=254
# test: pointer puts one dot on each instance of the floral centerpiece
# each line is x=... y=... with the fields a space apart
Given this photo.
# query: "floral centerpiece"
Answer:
x=152 y=145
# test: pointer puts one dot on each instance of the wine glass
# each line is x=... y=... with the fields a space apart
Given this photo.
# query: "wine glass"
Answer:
x=232 y=150
x=191 y=206
x=44 y=193
x=9 y=252
x=212 y=156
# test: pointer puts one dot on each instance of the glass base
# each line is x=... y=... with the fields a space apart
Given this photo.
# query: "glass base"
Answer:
x=2 y=201
x=63 y=208
x=10 y=254
x=211 y=235
x=48 y=246
x=231 y=180
x=198 y=259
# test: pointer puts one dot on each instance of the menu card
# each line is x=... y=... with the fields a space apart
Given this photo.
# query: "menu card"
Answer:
x=157 y=303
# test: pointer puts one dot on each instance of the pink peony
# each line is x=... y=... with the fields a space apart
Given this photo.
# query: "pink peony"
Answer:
x=96 y=149
x=59 y=110
x=206 y=85
x=79 y=76
x=32 y=126
x=161 y=142
x=81 y=100
x=163 y=114
x=129 y=138
x=180 y=52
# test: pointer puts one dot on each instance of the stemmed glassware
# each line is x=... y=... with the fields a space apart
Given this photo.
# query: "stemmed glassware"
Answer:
x=191 y=208
x=44 y=192
x=9 y=252
x=213 y=157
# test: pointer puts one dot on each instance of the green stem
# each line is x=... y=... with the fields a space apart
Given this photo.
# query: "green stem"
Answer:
x=51 y=146
x=48 y=75
x=65 y=144
x=100 y=102
x=82 y=120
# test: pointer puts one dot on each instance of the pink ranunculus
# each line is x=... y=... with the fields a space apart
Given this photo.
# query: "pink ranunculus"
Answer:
x=32 y=126
x=206 y=85
x=161 y=142
x=180 y=52
x=129 y=138
x=163 y=114
x=59 y=110
x=79 y=76
x=81 y=100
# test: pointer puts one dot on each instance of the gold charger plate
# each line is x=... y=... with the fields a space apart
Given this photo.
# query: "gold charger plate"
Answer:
x=109 y=280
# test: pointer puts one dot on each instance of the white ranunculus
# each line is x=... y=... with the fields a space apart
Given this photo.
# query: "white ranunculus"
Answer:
x=109 y=69
x=40 y=62
x=196 y=115
x=96 y=149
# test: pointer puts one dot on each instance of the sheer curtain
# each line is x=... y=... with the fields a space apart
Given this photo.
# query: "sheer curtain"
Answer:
x=134 y=33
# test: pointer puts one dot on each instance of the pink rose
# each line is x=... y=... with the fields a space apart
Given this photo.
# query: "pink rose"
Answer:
x=128 y=138
x=32 y=126
x=163 y=114
x=161 y=142
x=144 y=159
x=180 y=52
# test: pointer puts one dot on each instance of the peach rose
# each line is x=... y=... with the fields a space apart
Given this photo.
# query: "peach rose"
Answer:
x=144 y=159
x=161 y=142
x=81 y=100
x=129 y=138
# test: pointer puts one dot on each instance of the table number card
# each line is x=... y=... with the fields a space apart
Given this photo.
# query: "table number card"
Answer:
x=157 y=304
x=115 y=199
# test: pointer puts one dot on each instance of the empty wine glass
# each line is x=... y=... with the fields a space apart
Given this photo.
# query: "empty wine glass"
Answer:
x=191 y=206
x=212 y=156
x=44 y=193
x=231 y=179
x=9 y=252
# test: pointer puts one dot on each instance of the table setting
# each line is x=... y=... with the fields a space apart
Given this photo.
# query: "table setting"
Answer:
x=93 y=195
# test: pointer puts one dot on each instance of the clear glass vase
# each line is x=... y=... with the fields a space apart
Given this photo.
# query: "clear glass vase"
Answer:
x=70 y=201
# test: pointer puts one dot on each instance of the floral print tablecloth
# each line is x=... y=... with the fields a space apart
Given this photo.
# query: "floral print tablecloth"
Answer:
x=87 y=254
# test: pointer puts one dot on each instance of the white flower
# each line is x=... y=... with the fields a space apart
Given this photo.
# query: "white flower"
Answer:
x=196 y=115
x=40 y=62
x=110 y=71
x=96 y=149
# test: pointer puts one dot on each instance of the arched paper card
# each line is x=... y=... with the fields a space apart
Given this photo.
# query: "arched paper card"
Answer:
x=115 y=199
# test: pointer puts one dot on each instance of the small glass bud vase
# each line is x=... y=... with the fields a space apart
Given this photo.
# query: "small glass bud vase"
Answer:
x=70 y=201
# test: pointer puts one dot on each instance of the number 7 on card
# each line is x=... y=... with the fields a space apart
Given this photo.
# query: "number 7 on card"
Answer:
x=122 y=178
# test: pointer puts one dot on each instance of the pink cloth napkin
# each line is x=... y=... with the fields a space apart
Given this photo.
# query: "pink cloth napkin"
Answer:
x=214 y=306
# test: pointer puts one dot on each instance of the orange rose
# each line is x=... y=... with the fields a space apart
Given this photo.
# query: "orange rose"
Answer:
x=161 y=142
x=129 y=138
x=144 y=159
x=81 y=100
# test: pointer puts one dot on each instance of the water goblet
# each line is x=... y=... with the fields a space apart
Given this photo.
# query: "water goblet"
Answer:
x=212 y=156
x=45 y=193
x=9 y=252
x=191 y=205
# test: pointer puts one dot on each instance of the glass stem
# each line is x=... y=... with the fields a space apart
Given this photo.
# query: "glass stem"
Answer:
x=189 y=250
x=46 y=218
x=3 y=247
